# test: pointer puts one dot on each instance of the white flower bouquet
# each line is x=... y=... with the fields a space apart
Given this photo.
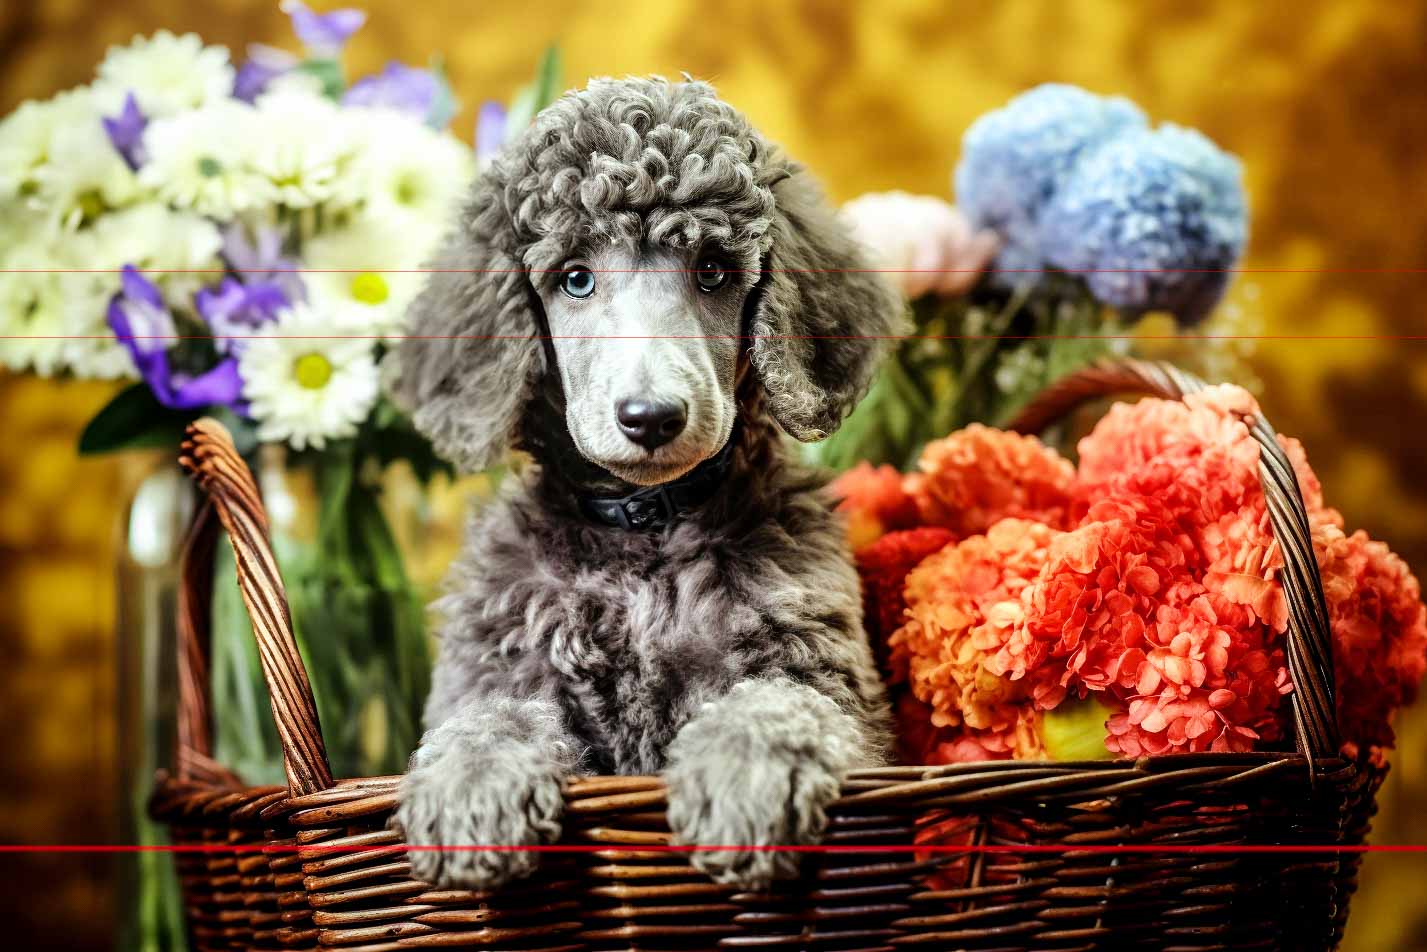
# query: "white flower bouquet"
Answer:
x=241 y=240
x=244 y=240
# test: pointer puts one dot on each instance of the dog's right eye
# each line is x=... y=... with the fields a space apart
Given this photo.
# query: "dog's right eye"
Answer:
x=578 y=282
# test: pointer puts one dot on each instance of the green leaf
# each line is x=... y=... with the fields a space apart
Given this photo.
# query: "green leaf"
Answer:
x=1075 y=731
x=537 y=94
x=446 y=105
x=134 y=419
x=329 y=73
x=548 y=77
x=334 y=476
x=390 y=437
x=374 y=538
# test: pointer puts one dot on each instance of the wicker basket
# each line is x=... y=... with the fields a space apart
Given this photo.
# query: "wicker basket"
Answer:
x=313 y=865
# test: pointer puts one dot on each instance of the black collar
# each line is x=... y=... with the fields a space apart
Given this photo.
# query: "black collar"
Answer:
x=654 y=507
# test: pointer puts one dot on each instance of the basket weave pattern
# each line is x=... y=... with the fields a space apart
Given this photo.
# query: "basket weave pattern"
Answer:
x=1009 y=855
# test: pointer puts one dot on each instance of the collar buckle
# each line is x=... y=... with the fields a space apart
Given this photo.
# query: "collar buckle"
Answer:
x=654 y=507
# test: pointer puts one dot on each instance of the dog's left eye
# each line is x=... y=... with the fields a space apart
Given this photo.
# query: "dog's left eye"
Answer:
x=711 y=274
x=578 y=282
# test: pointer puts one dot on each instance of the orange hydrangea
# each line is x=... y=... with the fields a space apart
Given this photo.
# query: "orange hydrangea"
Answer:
x=874 y=502
x=1379 y=632
x=919 y=741
x=883 y=568
x=1117 y=610
x=963 y=602
x=977 y=476
x=1149 y=579
x=1198 y=458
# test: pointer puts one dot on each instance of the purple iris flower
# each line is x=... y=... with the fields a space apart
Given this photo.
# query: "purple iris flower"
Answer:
x=398 y=86
x=233 y=310
x=263 y=65
x=259 y=260
x=145 y=327
x=490 y=131
x=323 y=34
x=126 y=132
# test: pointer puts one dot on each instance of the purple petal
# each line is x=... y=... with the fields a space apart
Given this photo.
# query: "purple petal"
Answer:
x=265 y=300
x=263 y=65
x=128 y=318
x=143 y=324
x=252 y=78
x=324 y=33
x=260 y=260
x=126 y=131
x=234 y=310
x=139 y=290
x=490 y=131
x=220 y=386
x=398 y=86
x=218 y=304
x=121 y=322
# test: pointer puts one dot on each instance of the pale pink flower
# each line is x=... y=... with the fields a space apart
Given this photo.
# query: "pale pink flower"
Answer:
x=925 y=244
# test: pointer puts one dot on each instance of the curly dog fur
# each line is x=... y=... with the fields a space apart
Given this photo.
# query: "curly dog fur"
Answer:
x=725 y=651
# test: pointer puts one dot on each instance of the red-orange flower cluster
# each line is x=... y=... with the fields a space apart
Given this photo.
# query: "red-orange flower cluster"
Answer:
x=969 y=480
x=1379 y=632
x=1147 y=578
x=963 y=604
x=874 y=502
x=883 y=566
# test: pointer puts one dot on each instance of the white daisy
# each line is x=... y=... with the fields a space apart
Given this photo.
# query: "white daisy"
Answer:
x=365 y=274
x=305 y=382
x=91 y=351
x=20 y=225
x=52 y=315
x=410 y=174
x=296 y=82
x=84 y=177
x=27 y=137
x=202 y=160
x=303 y=148
x=32 y=314
x=177 y=250
x=167 y=74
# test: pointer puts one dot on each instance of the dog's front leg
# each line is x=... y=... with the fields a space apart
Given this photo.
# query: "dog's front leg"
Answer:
x=490 y=775
x=756 y=768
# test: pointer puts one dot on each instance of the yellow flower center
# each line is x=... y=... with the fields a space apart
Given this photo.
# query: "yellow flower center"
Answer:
x=369 y=288
x=408 y=190
x=312 y=371
x=91 y=205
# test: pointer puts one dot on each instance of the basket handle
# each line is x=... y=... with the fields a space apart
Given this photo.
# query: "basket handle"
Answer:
x=234 y=505
x=1310 y=645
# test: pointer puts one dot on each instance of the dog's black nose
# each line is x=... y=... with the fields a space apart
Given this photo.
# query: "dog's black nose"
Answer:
x=651 y=423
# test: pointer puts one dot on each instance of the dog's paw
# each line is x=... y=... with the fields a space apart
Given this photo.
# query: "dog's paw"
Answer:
x=449 y=799
x=779 y=800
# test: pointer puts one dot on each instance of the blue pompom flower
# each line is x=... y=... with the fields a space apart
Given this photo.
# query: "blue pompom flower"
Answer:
x=1014 y=160
x=1153 y=219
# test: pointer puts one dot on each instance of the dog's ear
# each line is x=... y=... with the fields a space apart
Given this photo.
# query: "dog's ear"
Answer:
x=472 y=357
x=821 y=321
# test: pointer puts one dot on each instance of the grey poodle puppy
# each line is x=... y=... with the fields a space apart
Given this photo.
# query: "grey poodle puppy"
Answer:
x=641 y=292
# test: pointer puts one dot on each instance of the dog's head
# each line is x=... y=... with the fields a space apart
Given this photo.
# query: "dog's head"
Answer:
x=652 y=233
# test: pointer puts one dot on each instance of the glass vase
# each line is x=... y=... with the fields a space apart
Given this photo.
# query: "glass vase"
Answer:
x=358 y=614
x=150 y=913
x=360 y=548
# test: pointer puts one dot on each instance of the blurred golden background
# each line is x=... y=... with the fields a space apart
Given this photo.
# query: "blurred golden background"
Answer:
x=1326 y=102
